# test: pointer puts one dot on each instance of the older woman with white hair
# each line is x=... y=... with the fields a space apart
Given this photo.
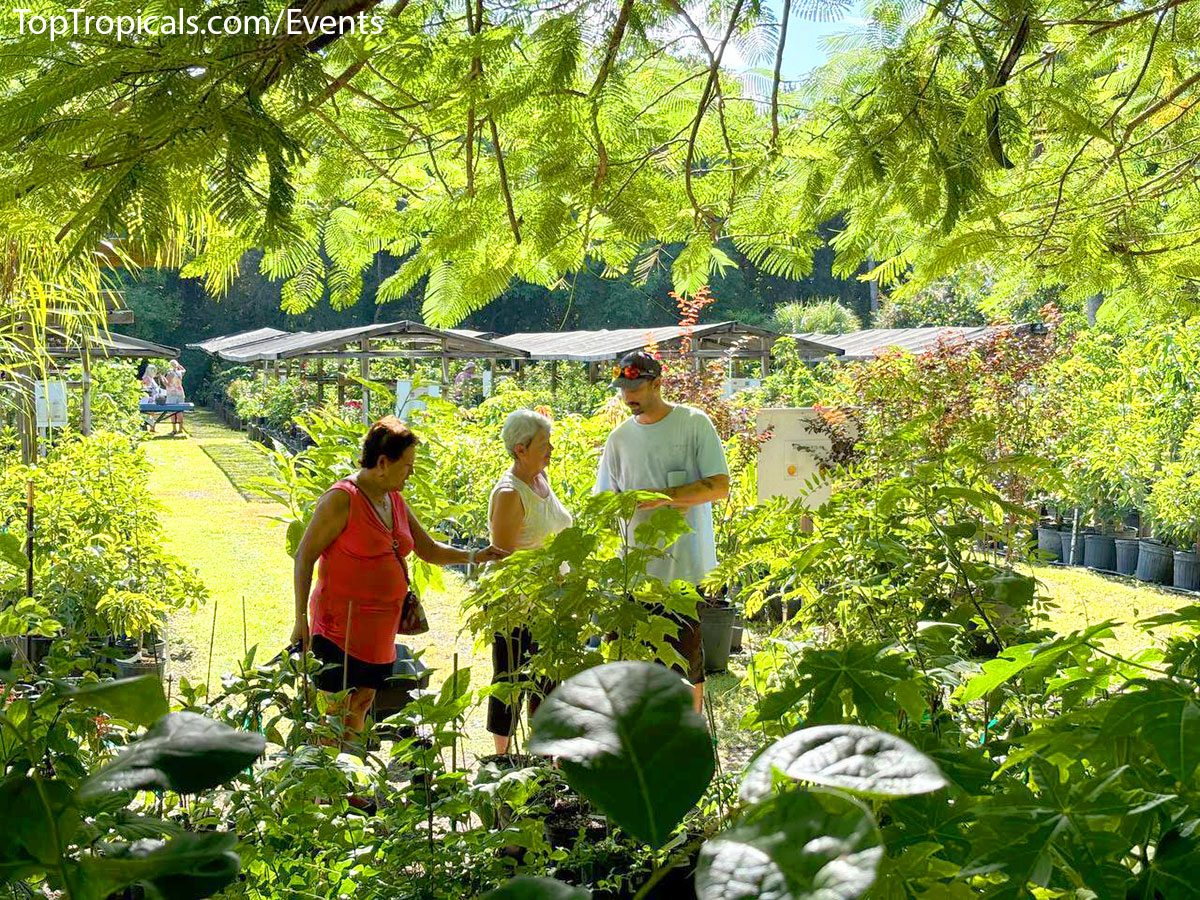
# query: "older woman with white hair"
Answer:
x=522 y=512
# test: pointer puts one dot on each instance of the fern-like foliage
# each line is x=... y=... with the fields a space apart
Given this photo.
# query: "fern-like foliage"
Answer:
x=1055 y=139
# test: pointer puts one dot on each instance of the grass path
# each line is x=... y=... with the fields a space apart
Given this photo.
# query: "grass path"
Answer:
x=233 y=543
x=214 y=523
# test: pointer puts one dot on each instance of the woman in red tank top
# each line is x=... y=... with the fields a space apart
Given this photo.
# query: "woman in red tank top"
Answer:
x=360 y=532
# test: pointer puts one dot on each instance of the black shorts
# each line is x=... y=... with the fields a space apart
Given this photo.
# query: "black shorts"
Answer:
x=688 y=641
x=359 y=674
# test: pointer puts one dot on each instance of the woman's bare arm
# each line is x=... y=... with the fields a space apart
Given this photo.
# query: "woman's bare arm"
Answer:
x=508 y=515
x=328 y=521
x=440 y=554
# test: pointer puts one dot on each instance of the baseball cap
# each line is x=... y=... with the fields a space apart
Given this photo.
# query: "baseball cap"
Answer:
x=634 y=369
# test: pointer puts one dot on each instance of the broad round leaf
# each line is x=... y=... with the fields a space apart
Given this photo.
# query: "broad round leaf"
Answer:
x=531 y=887
x=628 y=739
x=850 y=757
x=138 y=700
x=184 y=752
x=814 y=845
x=34 y=818
x=190 y=866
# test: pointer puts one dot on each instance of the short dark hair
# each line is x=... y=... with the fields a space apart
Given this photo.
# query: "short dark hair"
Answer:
x=388 y=437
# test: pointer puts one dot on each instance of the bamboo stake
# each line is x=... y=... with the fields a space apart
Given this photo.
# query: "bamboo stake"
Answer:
x=29 y=539
x=454 y=742
x=346 y=674
x=212 y=639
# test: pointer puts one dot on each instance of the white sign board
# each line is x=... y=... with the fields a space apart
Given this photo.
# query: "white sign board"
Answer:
x=409 y=399
x=789 y=464
x=50 y=403
x=734 y=385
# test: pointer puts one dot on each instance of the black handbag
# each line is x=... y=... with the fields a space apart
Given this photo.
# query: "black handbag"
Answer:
x=412 y=613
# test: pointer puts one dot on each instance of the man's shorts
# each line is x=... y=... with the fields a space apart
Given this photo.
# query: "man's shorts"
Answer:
x=688 y=642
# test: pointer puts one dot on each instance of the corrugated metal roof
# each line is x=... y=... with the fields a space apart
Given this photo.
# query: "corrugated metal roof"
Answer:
x=599 y=346
x=118 y=346
x=870 y=342
x=467 y=332
x=215 y=345
x=414 y=334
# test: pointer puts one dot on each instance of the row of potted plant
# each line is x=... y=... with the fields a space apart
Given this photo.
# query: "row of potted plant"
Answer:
x=1122 y=551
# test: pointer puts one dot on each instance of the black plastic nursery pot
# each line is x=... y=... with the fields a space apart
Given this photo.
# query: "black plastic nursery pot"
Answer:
x=716 y=630
x=1072 y=547
x=735 y=640
x=36 y=649
x=1100 y=552
x=123 y=646
x=140 y=665
x=408 y=675
x=1156 y=562
x=1126 y=550
x=567 y=825
x=1049 y=542
x=773 y=611
x=1186 y=571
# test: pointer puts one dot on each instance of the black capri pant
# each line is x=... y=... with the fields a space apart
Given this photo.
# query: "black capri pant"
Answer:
x=510 y=656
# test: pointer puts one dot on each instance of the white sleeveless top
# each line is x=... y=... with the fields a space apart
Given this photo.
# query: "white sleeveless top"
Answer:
x=544 y=516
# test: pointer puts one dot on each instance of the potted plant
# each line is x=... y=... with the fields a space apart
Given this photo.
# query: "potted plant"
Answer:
x=716 y=626
x=1049 y=538
x=1125 y=552
x=132 y=613
x=1099 y=545
x=29 y=629
x=1174 y=506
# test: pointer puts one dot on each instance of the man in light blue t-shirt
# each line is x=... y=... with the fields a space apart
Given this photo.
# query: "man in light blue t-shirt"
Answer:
x=673 y=450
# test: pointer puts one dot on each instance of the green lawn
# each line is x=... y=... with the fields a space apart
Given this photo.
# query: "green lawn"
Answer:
x=213 y=523
x=233 y=543
x=1084 y=598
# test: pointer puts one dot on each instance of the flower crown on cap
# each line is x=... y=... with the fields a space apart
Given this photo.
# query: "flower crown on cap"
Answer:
x=633 y=373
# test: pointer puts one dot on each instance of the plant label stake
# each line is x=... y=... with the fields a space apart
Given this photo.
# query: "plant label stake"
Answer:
x=29 y=539
x=212 y=639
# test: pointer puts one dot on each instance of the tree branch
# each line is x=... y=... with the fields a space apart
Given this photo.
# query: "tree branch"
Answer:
x=705 y=99
x=504 y=189
x=610 y=55
x=1160 y=105
x=783 y=28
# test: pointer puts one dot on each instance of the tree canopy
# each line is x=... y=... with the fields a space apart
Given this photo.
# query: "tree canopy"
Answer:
x=477 y=142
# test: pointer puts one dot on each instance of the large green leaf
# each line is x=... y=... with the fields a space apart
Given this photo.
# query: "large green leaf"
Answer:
x=1075 y=825
x=628 y=739
x=1171 y=872
x=188 y=867
x=531 y=887
x=34 y=814
x=814 y=845
x=850 y=757
x=184 y=752
x=997 y=671
x=138 y=700
x=11 y=551
x=867 y=675
x=295 y=531
x=1164 y=714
